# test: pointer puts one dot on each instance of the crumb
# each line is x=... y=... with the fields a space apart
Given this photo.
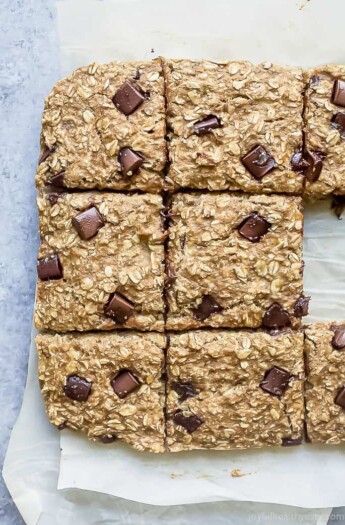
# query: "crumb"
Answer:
x=174 y=476
x=236 y=473
x=152 y=50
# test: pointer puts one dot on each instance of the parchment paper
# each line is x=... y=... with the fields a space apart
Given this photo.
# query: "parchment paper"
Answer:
x=293 y=32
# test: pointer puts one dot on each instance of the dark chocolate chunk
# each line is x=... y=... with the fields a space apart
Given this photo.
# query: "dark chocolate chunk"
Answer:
x=128 y=98
x=302 y=307
x=298 y=162
x=88 y=223
x=54 y=197
x=77 y=388
x=315 y=163
x=314 y=80
x=338 y=122
x=107 y=438
x=338 y=93
x=56 y=180
x=275 y=381
x=119 y=308
x=276 y=317
x=338 y=205
x=207 y=307
x=62 y=426
x=49 y=268
x=340 y=398
x=45 y=153
x=338 y=341
x=184 y=389
x=290 y=442
x=137 y=74
x=124 y=383
x=206 y=125
x=130 y=161
x=258 y=162
x=190 y=423
x=253 y=227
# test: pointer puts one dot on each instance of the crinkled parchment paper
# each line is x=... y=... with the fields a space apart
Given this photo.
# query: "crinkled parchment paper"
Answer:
x=293 y=32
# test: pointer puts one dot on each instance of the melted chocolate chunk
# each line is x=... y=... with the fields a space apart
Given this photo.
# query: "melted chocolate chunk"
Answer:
x=254 y=227
x=315 y=163
x=45 y=153
x=130 y=161
x=338 y=93
x=298 y=162
x=184 y=389
x=88 y=223
x=206 y=125
x=276 y=317
x=207 y=307
x=340 y=398
x=119 y=308
x=49 y=268
x=190 y=423
x=302 y=307
x=258 y=162
x=129 y=98
x=275 y=381
x=338 y=340
x=77 y=388
x=338 y=122
x=124 y=384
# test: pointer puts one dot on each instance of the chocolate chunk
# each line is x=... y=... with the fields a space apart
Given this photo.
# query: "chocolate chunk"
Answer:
x=315 y=164
x=302 y=307
x=184 y=389
x=124 y=383
x=128 y=98
x=45 y=153
x=276 y=317
x=298 y=162
x=57 y=180
x=253 y=227
x=207 y=307
x=206 y=125
x=314 y=80
x=275 y=381
x=290 y=442
x=88 y=223
x=49 y=268
x=62 y=426
x=106 y=439
x=338 y=205
x=338 y=93
x=190 y=423
x=338 y=341
x=137 y=74
x=54 y=197
x=119 y=308
x=338 y=122
x=130 y=161
x=77 y=388
x=340 y=398
x=258 y=162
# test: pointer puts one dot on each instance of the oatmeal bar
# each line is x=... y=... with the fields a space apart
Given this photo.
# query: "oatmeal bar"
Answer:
x=325 y=131
x=234 y=126
x=234 y=389
x=101 y=262
x=325 y=389
x=104 y=127
x=234 y=260
x=108 y=386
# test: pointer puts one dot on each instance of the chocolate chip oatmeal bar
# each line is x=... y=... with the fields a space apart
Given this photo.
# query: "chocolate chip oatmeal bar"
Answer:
x=234 y=260
x=101 y=262
x=104 y=127
x=325 y=131
x=108 y=386
x=234 y=389
x=325 y=388
x=234 y=126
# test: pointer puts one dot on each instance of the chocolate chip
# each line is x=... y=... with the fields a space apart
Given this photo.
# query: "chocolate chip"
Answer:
x=56 y=180
x=130 y=161
x=190 y=423
x=338 y=93
x=298 y=162
x=340 y=398
x=45 y=153
x=124 y=383
x=106 y=439
x=314 y=160
x=77 y=388
x=258 y=162
x=253 y=227
x=184 y=389
x=338 y=205
x=207 y=307
x=49 y=268
x=275 y=381
x=128 y=98
x=302 y=307
x=276 y=317
x=206 y=125
x=88 y=223
x=338 y=122
x=338 y=341
x=119 y=308
x=291 y=442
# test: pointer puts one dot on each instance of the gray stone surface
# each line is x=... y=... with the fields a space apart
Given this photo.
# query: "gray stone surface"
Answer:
x=28 y=68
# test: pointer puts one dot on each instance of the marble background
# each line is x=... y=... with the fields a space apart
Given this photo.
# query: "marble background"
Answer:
x=29 y=67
